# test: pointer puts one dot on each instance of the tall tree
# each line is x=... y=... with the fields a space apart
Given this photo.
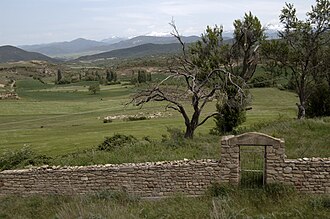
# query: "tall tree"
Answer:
x=203 y=77
x=243 y=56
x=305 y=40
x=59 y=76
x=240 y=59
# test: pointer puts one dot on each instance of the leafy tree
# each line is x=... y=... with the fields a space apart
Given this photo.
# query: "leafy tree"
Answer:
x=111 y=75
x=243 y=56
x=318 y=104
x=204 y=79
x=273 y=51
x=94 y=88
x=240 y=59
x=59 y=76
x=231 y=113
x=148 y=77
x=142 y=76
x=303 y=44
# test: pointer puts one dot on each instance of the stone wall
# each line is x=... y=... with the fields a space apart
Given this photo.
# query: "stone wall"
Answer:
x=189 y=177
x=307 y=174
x=144 y=179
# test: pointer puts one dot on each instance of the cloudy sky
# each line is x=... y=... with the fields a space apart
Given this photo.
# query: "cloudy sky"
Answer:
x=44 y=21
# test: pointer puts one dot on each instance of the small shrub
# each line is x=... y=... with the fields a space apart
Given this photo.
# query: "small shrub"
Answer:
x=231 y=117
x=107 y=120
x=94 y=88
x=116 y=141
x=147 y=139
x=135 y=118
x=113 y=82
x=261 y=81
x=21 y=158
x=175 y=138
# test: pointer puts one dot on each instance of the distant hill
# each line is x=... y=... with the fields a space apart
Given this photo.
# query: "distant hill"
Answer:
x=83 y=46
x=147 y=49
x=113 y=40
x=64 y=48
x=14 y=54
x=134 y=52
x=140 y=40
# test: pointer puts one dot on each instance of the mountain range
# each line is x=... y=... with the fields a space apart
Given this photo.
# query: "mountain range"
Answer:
x=136 y=51
x=115 y=47
x=79 y=47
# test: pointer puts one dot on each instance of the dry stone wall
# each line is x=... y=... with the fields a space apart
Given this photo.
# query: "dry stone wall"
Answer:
x=158 y=179
x=144 y=179
x=307 y=174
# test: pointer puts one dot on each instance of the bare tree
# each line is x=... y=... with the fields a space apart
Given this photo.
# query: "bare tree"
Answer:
x=200 y=78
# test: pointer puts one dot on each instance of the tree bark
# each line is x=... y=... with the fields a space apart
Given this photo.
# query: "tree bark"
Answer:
x=189 y=131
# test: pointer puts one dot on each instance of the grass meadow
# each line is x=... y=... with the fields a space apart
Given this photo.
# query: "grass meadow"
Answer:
x=65 y=123
x=59 y=120
x=273 y=202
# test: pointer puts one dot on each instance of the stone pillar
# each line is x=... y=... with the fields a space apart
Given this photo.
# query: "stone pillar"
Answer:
x=230 y=160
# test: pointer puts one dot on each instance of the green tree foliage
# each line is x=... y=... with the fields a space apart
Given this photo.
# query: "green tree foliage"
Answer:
x=94 y=88
x=116 y=141
x=59 y=76
x=231 y=113
x=303 y=48
x=111 y=75
x=243 y=56
x=239 y=59
x=142 y=76
x=318 y=103
x=273 y=53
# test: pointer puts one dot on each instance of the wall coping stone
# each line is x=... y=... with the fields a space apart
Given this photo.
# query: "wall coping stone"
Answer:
x=175 y=163
x=251 y=138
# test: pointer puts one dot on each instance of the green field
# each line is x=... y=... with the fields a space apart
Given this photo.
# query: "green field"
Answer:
x=65 y=123
x=61 y=119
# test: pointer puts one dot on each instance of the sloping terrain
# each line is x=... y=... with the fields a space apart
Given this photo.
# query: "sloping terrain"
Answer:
x=65 y=48
x=14 y=54
x=82 y=46
x=134 y=52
